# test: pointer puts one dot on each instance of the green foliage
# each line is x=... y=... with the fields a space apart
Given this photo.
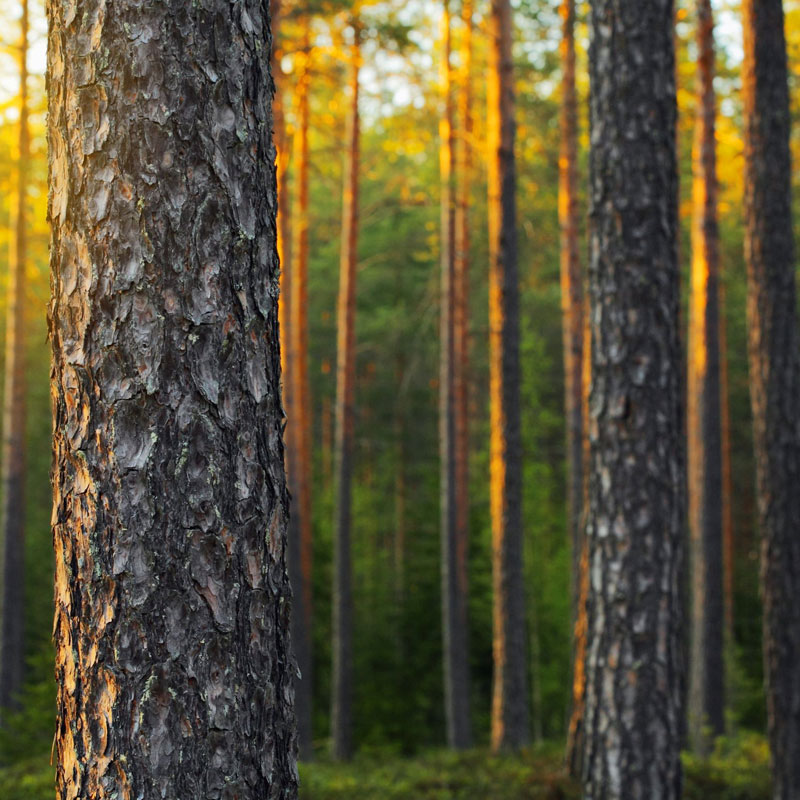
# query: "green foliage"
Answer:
x=738 y=769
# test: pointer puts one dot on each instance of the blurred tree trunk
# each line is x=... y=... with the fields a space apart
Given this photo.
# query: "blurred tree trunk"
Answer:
x=169 y=522
x=342 y=686
x=774 y=374
x=510 y=712
x=454 y=627
x=300 y=423
x=571 y=288
x=707 y=673
x=633 y=719
x=573 y=335
x=728 y=534
x=12 y=512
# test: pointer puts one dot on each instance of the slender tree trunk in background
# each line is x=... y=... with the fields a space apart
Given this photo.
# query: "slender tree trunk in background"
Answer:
x=461 y=263
x=300 y=424
x=573 y=334
x=707 y=670
x=728 y=534
x=342 y=686
x=454 y=629
x=571 y=288
x=633 y=718
x=171 y=625
x=510 y=712
x=12 y=468
x=774 y=374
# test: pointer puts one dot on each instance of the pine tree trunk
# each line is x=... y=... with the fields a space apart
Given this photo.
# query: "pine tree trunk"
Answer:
x=707 y=672
x=633 y=717
x=572 y=301
x=461 y=262
x=301 y=404
x=455 y=654
x=774 y=374
x=571 y=288
x=342 y=679
x=728 y=533
x=12 y=468
x=510 y=712
x=172 y=615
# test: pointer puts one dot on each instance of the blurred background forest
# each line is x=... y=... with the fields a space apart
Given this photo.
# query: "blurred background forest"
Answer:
x=398 y=706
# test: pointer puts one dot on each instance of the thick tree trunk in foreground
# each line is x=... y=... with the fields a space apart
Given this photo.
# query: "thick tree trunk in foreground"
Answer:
x=774 y=374
x=300 y=422
x=342 y=688
x=12 y=468
x=454 y=618
x=510 y=712
x=635 y=656
x=707 y=671
x=171 y=624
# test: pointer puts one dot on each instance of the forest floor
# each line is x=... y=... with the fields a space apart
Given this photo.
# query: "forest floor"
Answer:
x=739 y=770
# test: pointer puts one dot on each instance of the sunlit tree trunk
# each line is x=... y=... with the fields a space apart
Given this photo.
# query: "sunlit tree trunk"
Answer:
x=510 y=712
x=571 y=285
x=633 y=717
x=300 y=423
x=573 y=334
x=12 y=468
x=454 y=629
x=342 y=679
x=169 y=522
x=706 y=675
x=774 y=374
x=461 y=263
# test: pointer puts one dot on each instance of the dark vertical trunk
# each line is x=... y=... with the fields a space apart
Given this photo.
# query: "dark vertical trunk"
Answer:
x=300 y=423
x=169 y=521
x=510 y=712
x=633 y=717
x=454 y=630
x=12 y=468
x=342 y=689
x=774 y=374
x=706 y=676
x=728 y=534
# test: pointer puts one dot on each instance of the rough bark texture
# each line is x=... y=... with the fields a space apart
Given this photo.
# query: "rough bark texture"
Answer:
x=300 y=420
x=454 y=628
x=342 y=679
x=510 y=712
x=12 y=468
x=707 y=671
x=169 y=521
x=774 y=374
x=635 y=654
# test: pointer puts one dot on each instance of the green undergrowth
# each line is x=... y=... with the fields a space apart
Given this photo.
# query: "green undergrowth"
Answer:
x=738 y=770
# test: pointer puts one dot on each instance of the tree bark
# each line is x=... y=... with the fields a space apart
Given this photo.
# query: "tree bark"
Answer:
x=774 y=374
x=12 y=511
x=300 y=423
x=510 y=712
x=635 y=656
x=169 y=521
x=454 y=651
x=341 y=696
x=707 y=671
